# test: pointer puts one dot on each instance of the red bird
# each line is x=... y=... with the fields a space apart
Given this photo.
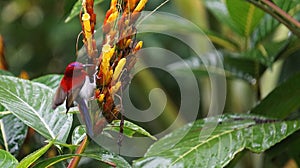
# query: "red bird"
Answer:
x=76 y=86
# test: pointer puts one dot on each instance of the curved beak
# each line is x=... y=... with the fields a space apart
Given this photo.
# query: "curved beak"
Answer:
x=88 y=65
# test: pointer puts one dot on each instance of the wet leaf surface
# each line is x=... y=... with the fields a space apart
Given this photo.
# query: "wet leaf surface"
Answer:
x=31 y=103
x=228 y=135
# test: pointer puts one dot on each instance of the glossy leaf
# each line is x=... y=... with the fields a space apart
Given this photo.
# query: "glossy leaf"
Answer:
x=7 y=160
x=31 y=103
x=30 y=159
x=245 y=16
x=59 y=144
x=230 y=135
x=51 y=81
x=130 y=129
x=5 y=73
x=15 y=137
x=76 y=9
x=106 y=156
x=4 y=113
x=93 y=151
x=78 y=135
x=109 y=159
x=282 y=101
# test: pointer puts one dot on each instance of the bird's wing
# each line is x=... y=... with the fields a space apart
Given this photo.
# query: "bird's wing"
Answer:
x=71 y=96
x=59 y=97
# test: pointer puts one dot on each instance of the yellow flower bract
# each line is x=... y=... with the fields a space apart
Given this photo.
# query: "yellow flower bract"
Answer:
x=140 y=6
x=105 y=64
x=87 y=25
x=128 y=43
x=101 y=98
x=113 y=17
x=114 y=89
x=118 y=69
x=138 y=46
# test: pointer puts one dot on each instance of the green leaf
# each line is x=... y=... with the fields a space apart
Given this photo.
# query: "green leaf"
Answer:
x=105 y=158
x=282 y=101
x=51 y=81
x=235 y=66
x=104 y=155
x=220 y=11
x=245 y=16
x=6 y=73
x=78 y=135
x=12 y=138
x=287 y=54
x=242 y=67
x=130 y=129
x=190 y=146
x=220 y=40
x=66 y=145
x=54 y=160
x=7 y=160
x=30 y=159
x=76 y=9
x=286 y=5
x=4 y=113
x=247 y=65
x=268 y=24
x=93 y=152
x=266 y=54
x=31 y=103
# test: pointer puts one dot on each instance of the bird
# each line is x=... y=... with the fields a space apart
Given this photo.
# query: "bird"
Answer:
x=76 y=86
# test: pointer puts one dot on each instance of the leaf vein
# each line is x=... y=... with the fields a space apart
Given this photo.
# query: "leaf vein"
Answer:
x=197 y=146
x=249 y=19
x=32 y=109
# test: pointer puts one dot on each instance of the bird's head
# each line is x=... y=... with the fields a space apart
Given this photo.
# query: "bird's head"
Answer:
x=75 y=69
x=74 y=76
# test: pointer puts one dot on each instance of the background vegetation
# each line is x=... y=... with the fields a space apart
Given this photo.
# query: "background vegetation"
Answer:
x=259 y=45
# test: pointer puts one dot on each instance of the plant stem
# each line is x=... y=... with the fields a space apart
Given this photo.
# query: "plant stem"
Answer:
x=74 y=162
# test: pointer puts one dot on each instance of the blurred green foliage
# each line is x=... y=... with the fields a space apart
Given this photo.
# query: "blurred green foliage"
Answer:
x=36 y=38
x=259 y=55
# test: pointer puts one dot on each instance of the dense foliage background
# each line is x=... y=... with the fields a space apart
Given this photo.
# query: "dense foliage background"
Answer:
x=261 y=60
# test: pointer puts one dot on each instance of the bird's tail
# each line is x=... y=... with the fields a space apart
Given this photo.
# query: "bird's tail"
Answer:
x=86 y=115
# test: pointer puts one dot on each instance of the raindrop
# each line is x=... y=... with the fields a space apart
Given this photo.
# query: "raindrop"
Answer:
x=272 y=131
x=283 y=128
x=295 y=125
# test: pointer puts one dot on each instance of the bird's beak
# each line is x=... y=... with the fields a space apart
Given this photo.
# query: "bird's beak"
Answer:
x=88 y=65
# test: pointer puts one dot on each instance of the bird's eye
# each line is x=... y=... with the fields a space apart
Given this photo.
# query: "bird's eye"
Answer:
x=76 y=65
